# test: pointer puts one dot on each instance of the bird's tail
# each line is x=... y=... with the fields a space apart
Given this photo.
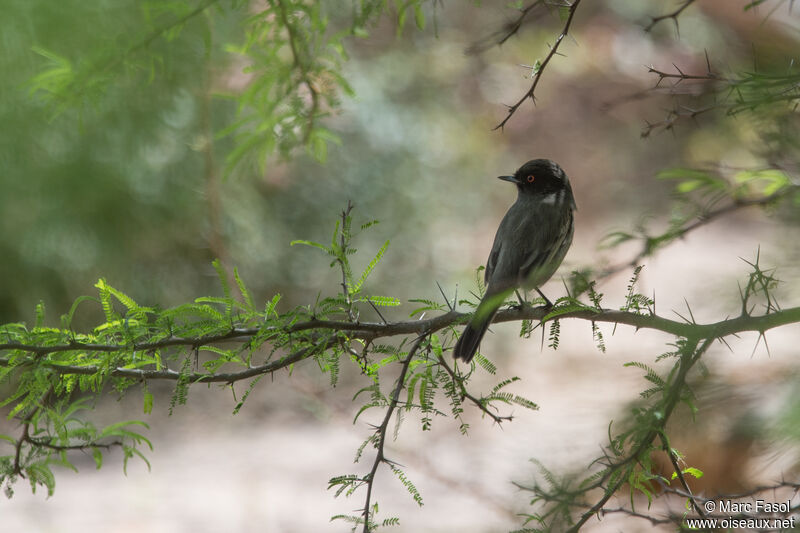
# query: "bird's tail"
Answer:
x=468 y=343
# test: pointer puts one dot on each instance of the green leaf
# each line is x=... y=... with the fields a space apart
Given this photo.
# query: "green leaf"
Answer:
x=614 y=238
x=66 y=319
x=695 y=472
x=753 y=4
x=271 y=306
x=105 y=300
x=98 y=457
x=39 y=315
x=223 y=280
x=40 y=474
x=419 y=16
x=318 y=141
x=251 y=306
x=692 y=179
x=148 y=402
x=318 y=148
x=310 y=243
x=430 y=305
x=402 y=14
x=370 y=268
x=689 y=185
x=412 y=490
x=682 y=174
x=123 y=298
x=775 y=179
x=380 y=301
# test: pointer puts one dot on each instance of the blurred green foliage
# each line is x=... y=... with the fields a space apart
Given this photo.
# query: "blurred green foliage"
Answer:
x=118 y=140
x=112 y=184
x=113 y=179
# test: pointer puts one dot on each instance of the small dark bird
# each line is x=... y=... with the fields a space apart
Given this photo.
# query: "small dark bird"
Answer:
x=530 y=244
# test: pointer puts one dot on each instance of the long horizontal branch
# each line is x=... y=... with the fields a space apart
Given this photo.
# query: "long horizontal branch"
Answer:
x=193 y=377
x=373 y=330
x=232 y=335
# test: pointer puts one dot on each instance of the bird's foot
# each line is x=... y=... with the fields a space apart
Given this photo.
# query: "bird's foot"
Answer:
x=523 y=303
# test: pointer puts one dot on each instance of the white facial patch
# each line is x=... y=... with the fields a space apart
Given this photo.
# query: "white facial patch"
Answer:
x=552 y=198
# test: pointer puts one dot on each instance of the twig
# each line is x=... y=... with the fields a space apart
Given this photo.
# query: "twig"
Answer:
x=464 y=393
x=508 y=30
x=701 y=220
x=300 y=64
x=343 y=242
x=682 y=76
x=537 y=74
x=381 y=431
x=746 y=91
x=47 y=443
x=16 y=468
x=25 y=437
x=513 y=27
x=673 y=116
x=630 y=512
x=674 y=16
x=698 y=501
x=679 y=473
x=155 y=34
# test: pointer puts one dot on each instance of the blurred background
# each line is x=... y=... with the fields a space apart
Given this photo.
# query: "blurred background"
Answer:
x=131 y=187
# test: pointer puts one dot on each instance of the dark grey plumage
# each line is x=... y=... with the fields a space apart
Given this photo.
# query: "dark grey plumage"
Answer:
x=530 y=244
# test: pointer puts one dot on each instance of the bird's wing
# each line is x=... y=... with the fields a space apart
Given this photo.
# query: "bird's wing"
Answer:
x=491 y=262
x=548 y=253
x=530 y=244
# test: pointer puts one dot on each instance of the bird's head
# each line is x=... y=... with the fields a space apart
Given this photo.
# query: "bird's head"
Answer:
x=541 y=178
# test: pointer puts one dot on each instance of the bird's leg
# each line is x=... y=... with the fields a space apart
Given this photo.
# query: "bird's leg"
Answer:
x=547 y=303
x=521 y=299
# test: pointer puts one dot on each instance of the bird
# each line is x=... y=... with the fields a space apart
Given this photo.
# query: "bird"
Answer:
x=529 y=246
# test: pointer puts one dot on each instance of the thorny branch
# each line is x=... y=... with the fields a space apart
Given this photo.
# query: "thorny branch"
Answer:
x=648 y=247
x=733 y=94
x=688 y=360
x=383 y=429
x=673 y=458
x=370 y=331
x=26 y=438
x=673 y=15
x=681 y=111
x=499 y=419
x=615 y=472
x=538 y=68
x=508 y=30
x=782 y=489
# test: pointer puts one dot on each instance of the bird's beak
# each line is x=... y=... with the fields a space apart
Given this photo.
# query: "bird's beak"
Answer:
x=512 y=179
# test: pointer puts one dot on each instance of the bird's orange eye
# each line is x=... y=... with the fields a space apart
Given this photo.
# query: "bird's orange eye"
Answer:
x=531 y=178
